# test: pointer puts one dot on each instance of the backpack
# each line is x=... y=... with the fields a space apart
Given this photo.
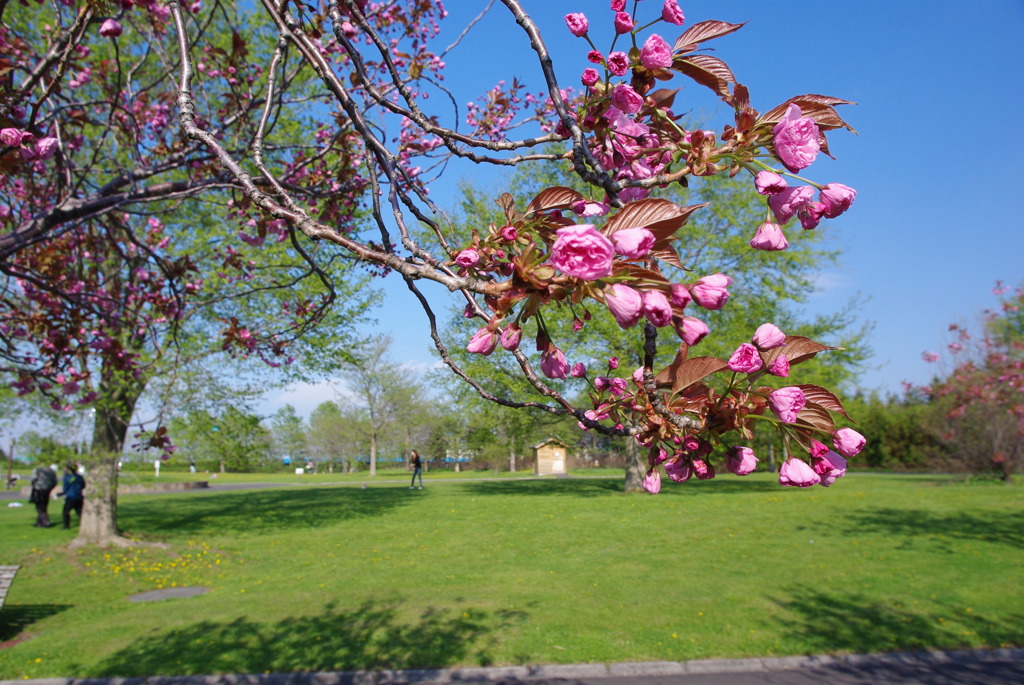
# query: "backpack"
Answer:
x=47 y=479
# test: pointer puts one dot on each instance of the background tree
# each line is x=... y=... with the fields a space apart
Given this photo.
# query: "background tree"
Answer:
x=289 y=435
x=232 y=439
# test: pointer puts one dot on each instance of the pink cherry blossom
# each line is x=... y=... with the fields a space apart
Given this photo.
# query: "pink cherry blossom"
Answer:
x=769 y=237
x=779 y=366
x=652 y=481
x=595 y=57
x=848 y=442
x=45 y=148
x=11 y=136
x=589 y=77
x=930 y=356
x=787 y=403
x=810 y=215
x=796 y=473
x=745 y=359
x=618 y=5
x=703 y=469
x=671 y=13
x=837 y=198
x=656 y=53
x=613 y=363
x=741 y=461
x=829 y=466
x=483 y=342
x=624 y=303
x=582 y=251
x=796 y=139
x=623 y=22
x=679 y=469
x=627 y=99
x=656 y=307
x=578 y=370
x=468 y=258
x=710 y=291
x=577 y=23
x=508 y=233
x=786 y=203
x=690 y=329
x=553 y=363
x=618 y=63
x=110 y=28
x=633 y=243
x=769 y=183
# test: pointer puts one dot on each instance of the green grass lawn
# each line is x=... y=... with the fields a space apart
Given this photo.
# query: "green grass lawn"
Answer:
x=519 y=571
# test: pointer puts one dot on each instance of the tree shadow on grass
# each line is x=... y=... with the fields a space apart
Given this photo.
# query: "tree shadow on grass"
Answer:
x=850 y=622
x=602 y=487
x=16 y=618
x=916 y=526
x=251 y=511
x=372 y=636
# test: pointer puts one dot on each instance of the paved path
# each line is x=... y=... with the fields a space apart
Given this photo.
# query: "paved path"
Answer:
x=976 y=667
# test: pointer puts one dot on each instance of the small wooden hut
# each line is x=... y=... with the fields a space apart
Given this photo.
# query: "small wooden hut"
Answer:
x=549 y=457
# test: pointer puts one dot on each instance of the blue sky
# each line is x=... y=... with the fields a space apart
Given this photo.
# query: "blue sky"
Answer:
x=937 y=163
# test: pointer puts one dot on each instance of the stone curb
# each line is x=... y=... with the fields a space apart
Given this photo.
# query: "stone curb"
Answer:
x=511 y=674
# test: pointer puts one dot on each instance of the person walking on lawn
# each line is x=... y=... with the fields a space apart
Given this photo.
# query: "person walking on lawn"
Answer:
x=44 y=480
x=73 y=494
x=417 y=469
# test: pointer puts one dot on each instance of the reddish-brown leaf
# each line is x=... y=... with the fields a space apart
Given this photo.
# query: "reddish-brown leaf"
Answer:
x=558 y=197
x=508 y=204
x=796 y=348
x=697 y=72
x=665 y=377
x=821 y=396
x=662 y=98
x=668 y=255
x=636 y=271
x=644 y=213
x=817 y=416
x=702 y=31
x=693 y=370
x=818 y=107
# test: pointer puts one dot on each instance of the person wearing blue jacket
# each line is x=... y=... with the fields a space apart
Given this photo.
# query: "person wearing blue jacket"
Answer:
x=73 y=494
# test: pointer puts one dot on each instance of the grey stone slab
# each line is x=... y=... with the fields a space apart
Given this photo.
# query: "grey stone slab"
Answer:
x=646 y=668
x=173 y=593
x=481 y=674
x=568 y=671
x=708 y=666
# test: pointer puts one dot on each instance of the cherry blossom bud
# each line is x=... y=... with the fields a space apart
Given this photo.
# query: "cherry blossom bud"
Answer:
x=577 y=23
x=589 y=77
x=618 y=63
x=745 y=359
x=618 y=5
x=633 y=243
x=578 y=370
x=710 y=291
x=671 y=13
x=787 y=202
x=741 y=461
x=553 y=363
x=652 y=481
x=690 y=329
x=508 y=233
x=796 y=473
x=623 y=22
x=45 y=148
x=769 y=183
x=679 y=296
x=613 y=363
x=837 y=198
x=787 y=403
x=769 y=237
x=848 y=442
x=768 y=337
x=656 y=308
x=810 y=215
x=624 y=303
x=483 y=342
x=110 y=28
x=511 y=336
x=703 y=469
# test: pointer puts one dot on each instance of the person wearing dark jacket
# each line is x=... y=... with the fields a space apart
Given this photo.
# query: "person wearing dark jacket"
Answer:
x=44 y=480
x=73 y=494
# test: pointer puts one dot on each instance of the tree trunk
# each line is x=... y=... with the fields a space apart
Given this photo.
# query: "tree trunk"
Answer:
x=113 y=415
x=636 y=466
x=512 y=459
x=373 y=454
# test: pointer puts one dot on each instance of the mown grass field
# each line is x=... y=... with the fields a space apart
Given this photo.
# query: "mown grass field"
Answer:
x=329 y=577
